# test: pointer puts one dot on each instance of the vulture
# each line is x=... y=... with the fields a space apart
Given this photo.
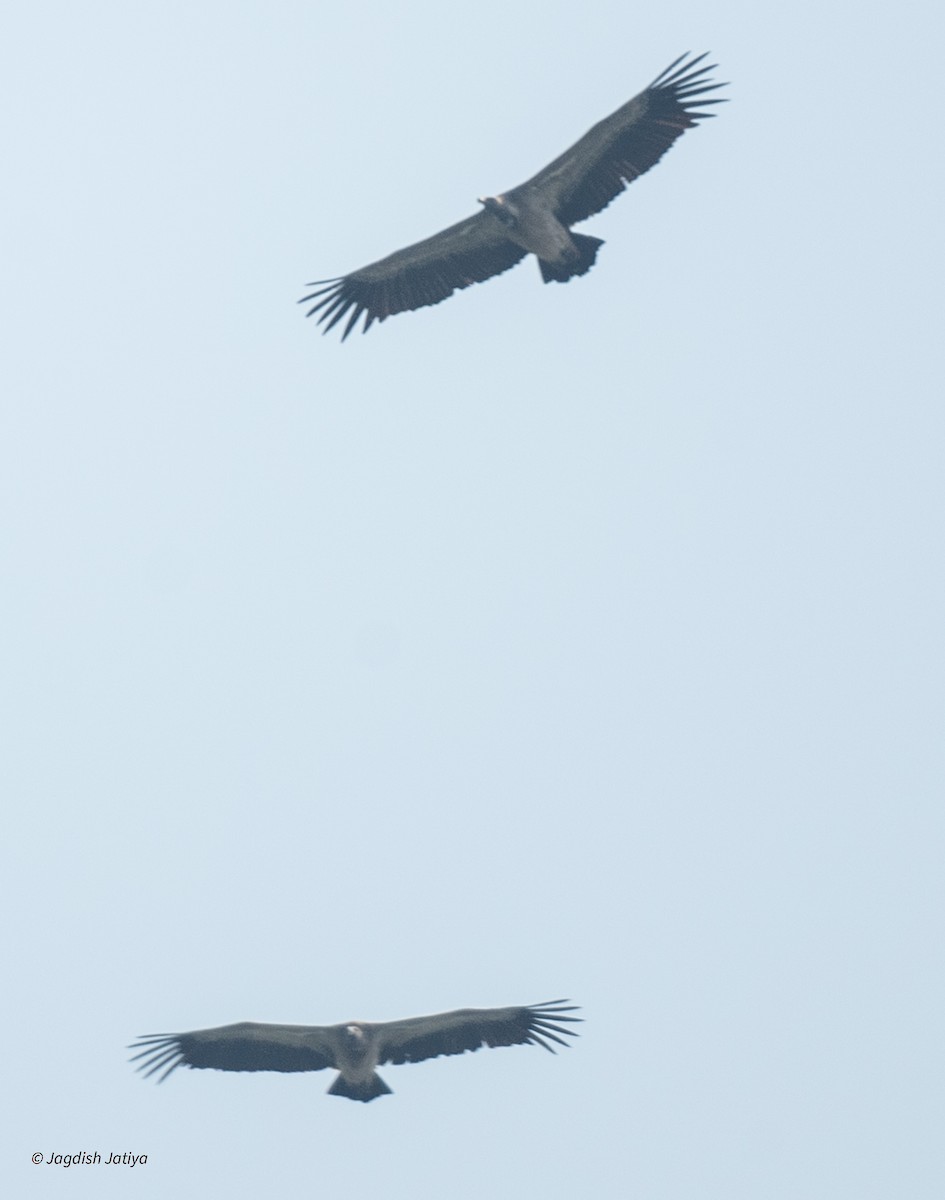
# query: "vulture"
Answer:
x=534 y=218
x=355 y=1048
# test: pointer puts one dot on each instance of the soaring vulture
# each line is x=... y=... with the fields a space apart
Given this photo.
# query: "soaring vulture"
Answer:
x=355 y=1048
x=533 y=218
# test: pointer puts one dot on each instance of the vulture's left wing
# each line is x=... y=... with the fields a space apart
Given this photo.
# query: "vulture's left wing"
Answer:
x=418 y=1038
x=424 y=273
x=616 y=150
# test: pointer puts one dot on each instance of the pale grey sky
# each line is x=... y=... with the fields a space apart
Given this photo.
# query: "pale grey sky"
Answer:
x=555 y=641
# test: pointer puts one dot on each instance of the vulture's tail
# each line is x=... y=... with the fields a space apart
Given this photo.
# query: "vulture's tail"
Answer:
x=370 y=1089
x=577 y=264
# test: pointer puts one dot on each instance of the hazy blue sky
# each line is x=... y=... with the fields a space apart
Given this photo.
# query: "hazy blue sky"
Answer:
x=557 y=641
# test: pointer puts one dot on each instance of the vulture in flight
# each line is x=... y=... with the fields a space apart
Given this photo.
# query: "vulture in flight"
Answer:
x=356 y=1048
x=534 y=218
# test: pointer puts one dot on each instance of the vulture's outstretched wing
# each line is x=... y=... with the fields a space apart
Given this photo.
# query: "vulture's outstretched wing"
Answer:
x=616 y=150
x=422 y=274
x=247 y=1046
x=418 y=1038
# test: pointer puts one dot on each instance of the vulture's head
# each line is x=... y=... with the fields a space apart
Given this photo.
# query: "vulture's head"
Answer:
x=500 y=207
x=358 y=1045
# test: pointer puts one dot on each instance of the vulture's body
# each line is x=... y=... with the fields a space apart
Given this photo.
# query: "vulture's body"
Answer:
x=534 y=218
x=356 y=1048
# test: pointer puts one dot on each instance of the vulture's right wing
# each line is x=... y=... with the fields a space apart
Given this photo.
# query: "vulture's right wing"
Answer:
x=425 y=273
x=247 y=1046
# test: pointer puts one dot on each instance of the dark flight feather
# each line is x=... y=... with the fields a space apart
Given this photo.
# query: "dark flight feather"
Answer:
x=471 y=1028
x=246 y=1046
x=626 y=144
